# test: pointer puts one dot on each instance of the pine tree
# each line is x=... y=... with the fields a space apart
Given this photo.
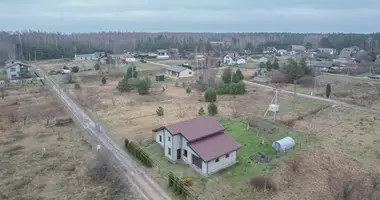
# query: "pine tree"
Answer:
x=239 y=74
x=212 y=109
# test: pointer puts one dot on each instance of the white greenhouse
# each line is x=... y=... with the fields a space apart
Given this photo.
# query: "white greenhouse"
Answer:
x=284 y=144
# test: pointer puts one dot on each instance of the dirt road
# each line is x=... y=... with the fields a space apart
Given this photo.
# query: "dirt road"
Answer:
x=351 y=106
x=142 y=183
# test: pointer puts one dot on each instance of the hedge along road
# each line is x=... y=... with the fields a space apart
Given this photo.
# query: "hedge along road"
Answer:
x=339 y=103
x=142 y=183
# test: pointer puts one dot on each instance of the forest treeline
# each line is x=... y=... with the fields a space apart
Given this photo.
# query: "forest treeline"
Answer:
x=43 y=45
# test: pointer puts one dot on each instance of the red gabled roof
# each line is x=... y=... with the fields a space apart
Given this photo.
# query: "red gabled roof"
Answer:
x=214 y=146
x=196 y=128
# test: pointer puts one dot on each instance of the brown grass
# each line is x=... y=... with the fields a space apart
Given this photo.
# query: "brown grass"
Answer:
x=263 y=183
x=39 y=162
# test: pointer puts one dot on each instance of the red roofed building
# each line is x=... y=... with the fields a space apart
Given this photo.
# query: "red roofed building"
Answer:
x=200 y=142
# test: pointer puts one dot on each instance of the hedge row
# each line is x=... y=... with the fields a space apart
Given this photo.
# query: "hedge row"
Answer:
x=177 y=185
x=232 y=88
x=138 y=153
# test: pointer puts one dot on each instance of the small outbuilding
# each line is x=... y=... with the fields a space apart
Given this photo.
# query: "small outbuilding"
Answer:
x=284 y=144
x=160 y=77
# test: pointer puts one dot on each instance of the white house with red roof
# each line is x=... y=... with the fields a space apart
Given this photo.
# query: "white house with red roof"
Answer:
x=201 y=142
x=233 y=59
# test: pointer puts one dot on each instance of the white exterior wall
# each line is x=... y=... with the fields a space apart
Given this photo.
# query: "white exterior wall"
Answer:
x=227 y=59
x=168 y=144
x=85 y=57
x=16 y=72
x=223 y=162
x=189 y=157
x=177 y=144
x=186 y=73
x=130 y=60
x=240 y=61
x=158 y=134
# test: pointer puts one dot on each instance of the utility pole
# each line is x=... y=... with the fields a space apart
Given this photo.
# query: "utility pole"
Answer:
x=315 y=80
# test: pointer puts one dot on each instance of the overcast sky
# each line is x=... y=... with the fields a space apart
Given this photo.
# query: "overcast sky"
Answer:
x=191 y=15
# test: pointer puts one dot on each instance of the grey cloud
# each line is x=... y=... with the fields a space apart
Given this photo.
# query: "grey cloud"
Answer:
x=194 y=15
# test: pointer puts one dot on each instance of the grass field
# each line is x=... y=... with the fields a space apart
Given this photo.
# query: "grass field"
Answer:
x=235 y=178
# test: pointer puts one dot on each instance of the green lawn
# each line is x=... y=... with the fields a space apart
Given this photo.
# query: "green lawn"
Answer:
x=236 y=176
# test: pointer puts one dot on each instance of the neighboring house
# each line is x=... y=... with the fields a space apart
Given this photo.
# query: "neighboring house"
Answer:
x=179 y=72
x=282 y=52
x=323 y=55
x=162 y=54
x=85 y=57
x=330 y=51
x=347 y=53
x=263 y=60
x=17 y=70
x=298 y=48
x=201 y=143
x=233 y=58
x=270 y=50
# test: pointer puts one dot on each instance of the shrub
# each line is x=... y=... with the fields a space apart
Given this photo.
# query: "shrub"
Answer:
x=143 y=87
x=210 y=95
x=188 y=90
x=104 y=80
x=233 y=88
x=75 y=69
x=227 y=75
x=126 y=142
x=201 y=111
x=212 y=109
x=188 y=181
x=76 y=86
x=263 y=183
x=170 y=179
x=180 y=186
x=239 y=74
x=235 y=78
x=124 y=86
x=160 y=111
x=97 y=66
x=65 y=67
x=328 y=90
x=131 y=72
x=139 y=154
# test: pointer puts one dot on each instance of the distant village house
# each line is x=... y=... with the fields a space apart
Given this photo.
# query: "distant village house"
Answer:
x=179 y=72
x=17 y=70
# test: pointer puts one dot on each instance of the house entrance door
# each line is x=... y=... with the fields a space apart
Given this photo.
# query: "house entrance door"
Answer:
x=179 y=152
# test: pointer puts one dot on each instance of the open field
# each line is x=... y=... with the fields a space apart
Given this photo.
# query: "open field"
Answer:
x=346 y=148
x=231 y=183
x=41 y=160
x=361 y=92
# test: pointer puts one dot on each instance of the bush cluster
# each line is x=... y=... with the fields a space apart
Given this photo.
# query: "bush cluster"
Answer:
x=138 y=153
x=177 y=185
x=232 y=88
x=160 y=111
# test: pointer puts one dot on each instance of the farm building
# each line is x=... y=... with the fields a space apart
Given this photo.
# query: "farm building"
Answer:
x=179 y=72
x=233 y=58
x=200 y=142
x=17 y=69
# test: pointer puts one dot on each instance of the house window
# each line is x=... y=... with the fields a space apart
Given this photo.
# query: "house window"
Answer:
x=227 y=155
x=169 y=151
x=14 y=76
x=160 y=138
x=169 y=139
x=189 y=72
x=13 y=69
x=185 y=152
x=217 y=160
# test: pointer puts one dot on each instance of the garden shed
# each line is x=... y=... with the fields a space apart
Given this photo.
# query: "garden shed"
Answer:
x=284 y=144
x=160 y=77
